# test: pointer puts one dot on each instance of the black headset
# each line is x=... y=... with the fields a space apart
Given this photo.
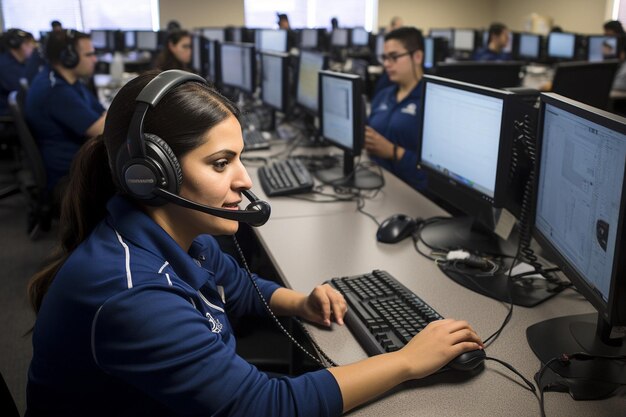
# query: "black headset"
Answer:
x=147 y=169
x=69 y=57
x=15 y=38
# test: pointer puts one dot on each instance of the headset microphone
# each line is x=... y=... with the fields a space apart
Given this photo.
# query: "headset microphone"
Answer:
x=257 y=213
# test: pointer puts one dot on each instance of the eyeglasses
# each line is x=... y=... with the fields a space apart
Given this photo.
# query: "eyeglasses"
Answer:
x=394 y=57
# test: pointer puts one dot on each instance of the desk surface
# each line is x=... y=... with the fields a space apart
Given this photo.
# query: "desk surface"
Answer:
x=309 y=243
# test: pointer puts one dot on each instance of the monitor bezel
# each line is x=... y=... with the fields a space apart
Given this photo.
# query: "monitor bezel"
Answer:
x=608 y=310
x=249 y=48
x=503 y=165
x=358 y=131
x=284 y=97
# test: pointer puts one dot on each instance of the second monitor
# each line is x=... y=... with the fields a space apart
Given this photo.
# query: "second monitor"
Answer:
x=342 y=114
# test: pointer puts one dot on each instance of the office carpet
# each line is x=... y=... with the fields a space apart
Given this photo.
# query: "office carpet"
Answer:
x=20 y=257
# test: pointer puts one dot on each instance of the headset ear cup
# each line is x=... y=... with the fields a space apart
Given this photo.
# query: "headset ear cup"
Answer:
x=69 y=58
x=160 y=153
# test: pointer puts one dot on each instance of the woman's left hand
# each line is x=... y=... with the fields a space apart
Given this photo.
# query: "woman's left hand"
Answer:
x=323 y=305
x=377 y=145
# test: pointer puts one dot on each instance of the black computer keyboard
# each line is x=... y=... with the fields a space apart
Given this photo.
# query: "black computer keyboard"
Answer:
x=254 y=140
x=285 y=177
x=384 y=315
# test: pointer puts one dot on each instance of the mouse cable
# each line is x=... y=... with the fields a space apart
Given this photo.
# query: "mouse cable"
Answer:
x=531 y=386
x=566 y=359
x=329 y=361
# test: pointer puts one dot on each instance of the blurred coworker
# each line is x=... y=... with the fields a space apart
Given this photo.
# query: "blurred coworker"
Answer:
x=177 y=52
x=392 y=135
x=13 y=63
x=498 y=40
x=60 y=110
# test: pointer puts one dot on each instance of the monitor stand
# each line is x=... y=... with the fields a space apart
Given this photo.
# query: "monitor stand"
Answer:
x=347 y=176
x=589 y=333
x=465 y=233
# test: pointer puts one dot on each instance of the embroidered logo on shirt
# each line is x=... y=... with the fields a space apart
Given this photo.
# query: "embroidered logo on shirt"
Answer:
x=411 y=109
x=216 y=326
x=383 y=107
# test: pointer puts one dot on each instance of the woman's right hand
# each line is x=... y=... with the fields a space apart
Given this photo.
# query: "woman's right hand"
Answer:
x=436 y=345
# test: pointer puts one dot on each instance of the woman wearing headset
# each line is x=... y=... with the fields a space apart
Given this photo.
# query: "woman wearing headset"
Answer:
x=131 y=312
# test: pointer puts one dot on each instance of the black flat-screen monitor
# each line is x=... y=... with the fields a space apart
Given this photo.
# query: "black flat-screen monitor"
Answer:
x=237 y=66
x=464 y=150
x=500 y=74
x=600 y=48
x=588 y=82
x=214 y=34
x=380 y=47
x=274 y=80
x=447 y=34
x=309 y=39
x=561 y=45
x=342 y=114
x=100 y=40
x=309 y=66
x=464 y=40
x=360 y=37
x=271 y=40
x=435 y=50
x=147 y=40
x=580 y=223
x=528 y=46
x=213 y=61
x=340 y=38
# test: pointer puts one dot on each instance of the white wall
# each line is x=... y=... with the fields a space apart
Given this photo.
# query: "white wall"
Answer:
x=581 y=16
x=202 y=13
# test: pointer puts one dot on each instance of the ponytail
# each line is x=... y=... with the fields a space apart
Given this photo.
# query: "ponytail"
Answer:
x=83 y=207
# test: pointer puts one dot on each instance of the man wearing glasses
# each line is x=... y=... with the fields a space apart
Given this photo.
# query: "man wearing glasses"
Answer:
x=392 y=134
x=60 y=110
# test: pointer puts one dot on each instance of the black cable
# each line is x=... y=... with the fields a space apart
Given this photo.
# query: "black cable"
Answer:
x=329 y=361
x=531 y=386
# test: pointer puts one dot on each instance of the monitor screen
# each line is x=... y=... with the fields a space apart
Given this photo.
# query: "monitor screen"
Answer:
x=310 y=65
x=466 y=151
x=561 y=45
x=214 y=34
x=429 y=52
x=441 y=33
x=130 y=41
x=339 y=38
x=99 y=39
x=601 y=48
x=463 y=40
x=308 y=38
x=529 y=45
x=580 y=209
x=274 y=80
x=270 y=40
x=579 y=193
x=196 y=53
x=237 y=66
x=147 y=40
x=360 y=37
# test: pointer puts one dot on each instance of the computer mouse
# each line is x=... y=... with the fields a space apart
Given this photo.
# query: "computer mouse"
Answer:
x=396 y=228
x=468 y=360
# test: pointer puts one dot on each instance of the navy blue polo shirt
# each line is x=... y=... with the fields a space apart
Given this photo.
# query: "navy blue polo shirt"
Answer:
x=400 y=122
x=134 y=325
x=486 y=54
x=59 y=115
x=11 y=70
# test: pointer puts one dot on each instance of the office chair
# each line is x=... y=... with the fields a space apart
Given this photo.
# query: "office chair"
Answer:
x=587 y=82
x=32 y=177
x=8 y=407
x=489 y=74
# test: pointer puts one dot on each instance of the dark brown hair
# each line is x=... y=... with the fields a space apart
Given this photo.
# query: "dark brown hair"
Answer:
x=166 y=59
x=182 y=118
x=58 y=41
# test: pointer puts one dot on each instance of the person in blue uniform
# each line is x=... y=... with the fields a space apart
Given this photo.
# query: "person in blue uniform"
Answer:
x=19 y=47
x=393 y=126
x=497 y=42
x=60 y=110
x=131 y=313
